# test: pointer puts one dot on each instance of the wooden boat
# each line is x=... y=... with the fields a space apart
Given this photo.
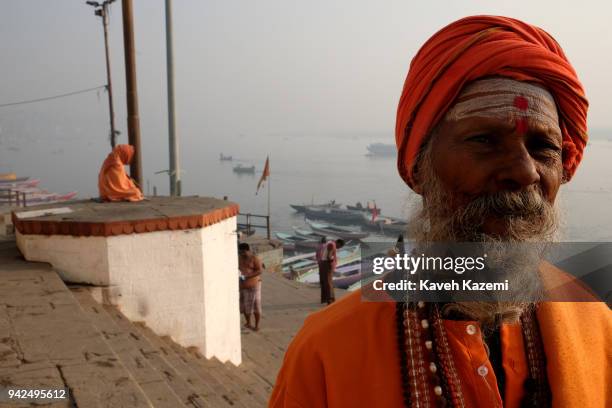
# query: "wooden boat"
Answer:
x=333 y=230
x=348 y=270
x=298 y=243
x=44 y=197
x=335 y=215
x=26 y=184
x=244 y=170
x=359 y=207
x=384 y=225
x=302 y=207
x=346 y=281
x=346 y=255
x=225 y=158
x=292 y=259
x=14 y=180
x=8 y=176
x=302 y=232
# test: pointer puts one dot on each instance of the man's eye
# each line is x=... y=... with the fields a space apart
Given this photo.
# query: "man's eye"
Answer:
x=544 y=145
x=482 y=138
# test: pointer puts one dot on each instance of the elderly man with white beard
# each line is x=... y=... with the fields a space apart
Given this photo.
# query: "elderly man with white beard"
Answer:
x=490 y=124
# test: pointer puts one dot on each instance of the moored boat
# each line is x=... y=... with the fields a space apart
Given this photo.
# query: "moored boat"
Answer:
x=13 y=180
x=244 y=170
x=336 y=231
x=335 y=215
x=346 y=255
x=302 y=207
x=359 y=207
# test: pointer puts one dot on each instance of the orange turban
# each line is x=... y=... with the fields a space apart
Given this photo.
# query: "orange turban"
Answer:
x=483 y=46
x=113 y=182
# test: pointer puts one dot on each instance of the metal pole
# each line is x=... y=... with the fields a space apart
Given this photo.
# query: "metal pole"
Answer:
x=174 y=173
x=133 y=121
x=269 y=188
x=109 y=86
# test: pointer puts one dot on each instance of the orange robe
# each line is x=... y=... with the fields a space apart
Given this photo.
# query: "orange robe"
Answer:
x=113 y=182
x=346 y=355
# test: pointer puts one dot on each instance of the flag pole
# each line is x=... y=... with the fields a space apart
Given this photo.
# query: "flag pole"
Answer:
x=269 y=185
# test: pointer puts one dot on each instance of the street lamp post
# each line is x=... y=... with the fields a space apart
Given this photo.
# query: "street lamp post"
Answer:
x=101 y=10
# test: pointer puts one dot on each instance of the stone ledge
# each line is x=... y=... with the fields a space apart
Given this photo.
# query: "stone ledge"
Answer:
x=90 y=218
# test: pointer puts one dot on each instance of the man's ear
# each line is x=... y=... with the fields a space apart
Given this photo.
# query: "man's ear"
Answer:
x=417 y=185
x=565 y=178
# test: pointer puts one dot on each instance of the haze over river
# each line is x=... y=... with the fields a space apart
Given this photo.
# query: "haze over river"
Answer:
x=304 y=168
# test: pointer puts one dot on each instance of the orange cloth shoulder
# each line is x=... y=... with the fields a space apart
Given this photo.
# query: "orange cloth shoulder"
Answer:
x=578 y=345
x=345 y=356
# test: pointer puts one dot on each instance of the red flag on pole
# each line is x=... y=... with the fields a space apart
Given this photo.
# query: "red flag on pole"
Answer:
x=264 y=175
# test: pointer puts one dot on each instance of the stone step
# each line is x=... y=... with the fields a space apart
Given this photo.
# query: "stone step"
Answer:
x=49 y=342
x=227 y=390
x=151 y=381
x=164 y=384
x=242 y=378
x=178 y=375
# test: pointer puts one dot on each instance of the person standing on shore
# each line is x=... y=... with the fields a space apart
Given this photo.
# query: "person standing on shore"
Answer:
x=319 y=257
x=327 y=267
x=250 y=285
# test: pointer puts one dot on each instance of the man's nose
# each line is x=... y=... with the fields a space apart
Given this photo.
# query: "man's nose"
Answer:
x=518 y=171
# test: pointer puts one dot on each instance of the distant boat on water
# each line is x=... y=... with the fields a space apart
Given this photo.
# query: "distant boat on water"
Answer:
x=335 y=215
x=302 y=207
x=225 y=158
x=382 y=149
x=360 y=207
x=244 y=170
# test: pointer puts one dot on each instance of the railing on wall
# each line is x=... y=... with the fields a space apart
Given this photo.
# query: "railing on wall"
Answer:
x=13 y=197
x=248 y=226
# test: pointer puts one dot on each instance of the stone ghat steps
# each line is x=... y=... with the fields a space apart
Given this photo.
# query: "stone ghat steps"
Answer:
x=46 y=341
x=169 y=374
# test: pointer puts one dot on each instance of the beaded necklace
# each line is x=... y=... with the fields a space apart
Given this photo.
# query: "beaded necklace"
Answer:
x=426 y=362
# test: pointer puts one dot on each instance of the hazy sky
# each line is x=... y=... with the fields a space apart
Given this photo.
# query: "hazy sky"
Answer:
x=258 y=67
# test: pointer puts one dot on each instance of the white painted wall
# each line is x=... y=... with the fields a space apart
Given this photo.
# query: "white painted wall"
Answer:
x=183 y=283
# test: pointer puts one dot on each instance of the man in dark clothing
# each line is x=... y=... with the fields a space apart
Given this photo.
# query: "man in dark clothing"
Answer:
x=327 y=267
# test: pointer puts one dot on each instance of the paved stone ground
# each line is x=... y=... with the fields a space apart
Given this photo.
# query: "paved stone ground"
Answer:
x=57 y=337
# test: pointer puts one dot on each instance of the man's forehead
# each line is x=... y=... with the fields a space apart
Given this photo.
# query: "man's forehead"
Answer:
x=523 y=104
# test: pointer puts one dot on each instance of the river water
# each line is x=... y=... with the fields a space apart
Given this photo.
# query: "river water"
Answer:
x=304 y=169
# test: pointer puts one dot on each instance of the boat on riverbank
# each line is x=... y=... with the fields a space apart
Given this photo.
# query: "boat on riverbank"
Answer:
x=334 y=215
x=10 y=180
x=302 y=207
x=336 y=231
x=346 y=255
x=367 y=209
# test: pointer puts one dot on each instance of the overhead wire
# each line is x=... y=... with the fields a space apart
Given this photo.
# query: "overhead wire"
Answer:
x=47 y=98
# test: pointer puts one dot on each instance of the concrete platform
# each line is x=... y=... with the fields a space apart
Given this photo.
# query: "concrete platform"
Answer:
x=90 y=218
x=168 y=261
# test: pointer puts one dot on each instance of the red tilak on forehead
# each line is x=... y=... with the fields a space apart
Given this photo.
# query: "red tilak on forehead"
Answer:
x=522 y=104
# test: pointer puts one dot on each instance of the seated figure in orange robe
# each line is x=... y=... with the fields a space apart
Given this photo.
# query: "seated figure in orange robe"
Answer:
x=113 y=182
x=491 y=122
